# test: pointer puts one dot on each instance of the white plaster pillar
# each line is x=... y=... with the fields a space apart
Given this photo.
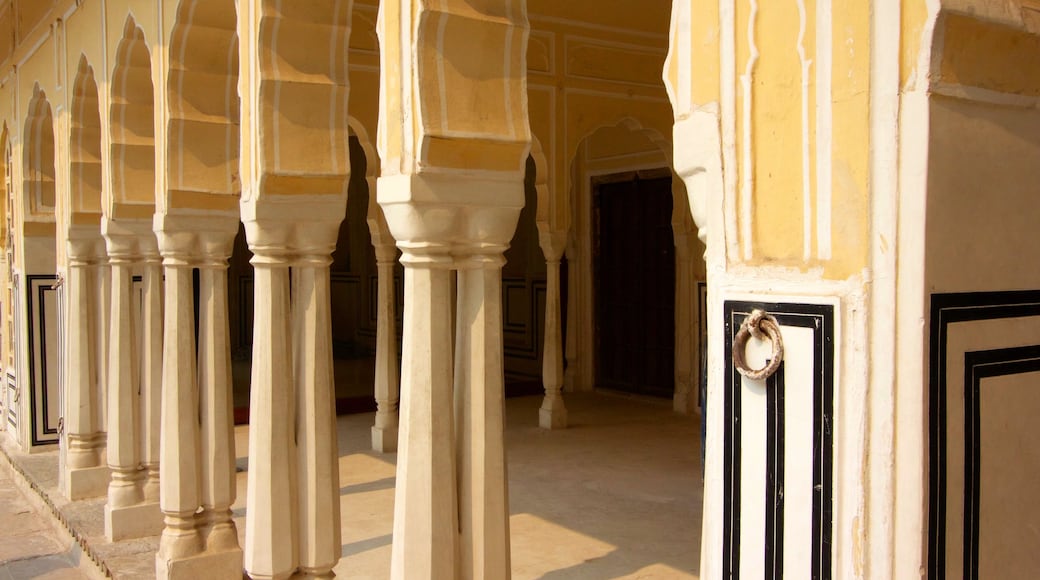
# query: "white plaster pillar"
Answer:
x=317 y=452
x=128 y=513
x=197 y=448
x=126 y=487
x=84 y=475
x=425 y=513
x=179 y=447
x=216 y=409
x=150 y=369
x=103 y=279
x=553 y=413
x=271 y=549
x=384 y=432
x=480 y=408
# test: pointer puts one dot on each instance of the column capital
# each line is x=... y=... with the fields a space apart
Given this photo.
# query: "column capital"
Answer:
x=437 y=216
x=552 y=242
x=128 y=240
x=187 y=240
x=286 y=227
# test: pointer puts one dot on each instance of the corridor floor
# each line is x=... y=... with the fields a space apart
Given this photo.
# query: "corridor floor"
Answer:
x=616 y=495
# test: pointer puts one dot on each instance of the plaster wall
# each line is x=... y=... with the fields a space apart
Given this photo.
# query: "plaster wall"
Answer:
x=984 y=162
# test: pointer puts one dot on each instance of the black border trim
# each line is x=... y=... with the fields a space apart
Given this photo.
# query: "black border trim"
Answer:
x=947 y=309
x=977 y=366
x=819 y=318
x=41 y=284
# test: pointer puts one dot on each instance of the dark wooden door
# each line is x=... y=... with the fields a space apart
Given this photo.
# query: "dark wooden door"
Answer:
x=635 y=286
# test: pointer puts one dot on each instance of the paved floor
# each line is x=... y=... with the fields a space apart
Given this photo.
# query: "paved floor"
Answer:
x=616 y=495
x=30 y=545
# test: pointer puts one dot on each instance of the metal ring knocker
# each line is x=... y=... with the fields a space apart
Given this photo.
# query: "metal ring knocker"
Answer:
x=762 y=326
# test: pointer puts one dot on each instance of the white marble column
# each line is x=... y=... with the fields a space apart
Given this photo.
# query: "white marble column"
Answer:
x=124 y=459
x=128 y=513
x=553 y=413
x=317 y=452
x=179 y=449
x=384 y=432
x=271 y=550
x=480 y=422
x=425 y=511
x=103 y=279
x=84 y=475
x=216 y=410
x=150 y=369
x=197 y=448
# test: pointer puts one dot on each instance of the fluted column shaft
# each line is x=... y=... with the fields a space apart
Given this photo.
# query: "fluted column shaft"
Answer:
x=151 y=373
x=271 y=549
x=317 y=452
x=425 y=511
x=103 y=279
x=82 y=416
x=387 y=385
x=216 y=411
x=124 y=457
x=480 y=408
x=180 y=447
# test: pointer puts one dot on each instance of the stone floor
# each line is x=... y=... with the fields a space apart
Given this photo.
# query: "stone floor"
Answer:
x=617 y=495
x=32 y=545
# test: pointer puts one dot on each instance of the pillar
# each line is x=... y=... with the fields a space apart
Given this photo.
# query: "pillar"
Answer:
x=384 y=431
x=150 y=365
x=452 y=200
x=83 y=474
x=127 y=512
x=480 y=408
x=197 y=447
x=293 y=521
x=271 y=549
x=425 y=512
x=553 y=413
x=317 y=458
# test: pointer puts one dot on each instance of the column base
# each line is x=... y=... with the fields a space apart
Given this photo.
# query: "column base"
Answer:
x=384 y=439
x=554 y=418
x=135 y=521
x=86 y=482
x=682 y=403
x=218 y=565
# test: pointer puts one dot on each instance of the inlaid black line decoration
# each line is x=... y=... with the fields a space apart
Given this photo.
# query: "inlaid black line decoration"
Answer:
x=977 y=366
x=775 y=429
x=819 y=319
x=948 y=309
x=37 y=286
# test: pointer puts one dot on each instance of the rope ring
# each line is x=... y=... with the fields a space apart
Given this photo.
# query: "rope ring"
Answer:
x=762 y=326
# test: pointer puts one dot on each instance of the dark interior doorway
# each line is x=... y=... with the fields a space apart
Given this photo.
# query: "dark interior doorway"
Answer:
x=634 y=283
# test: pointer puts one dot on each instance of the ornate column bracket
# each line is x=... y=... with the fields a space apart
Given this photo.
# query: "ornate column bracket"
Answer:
x=553 y=413
x=127 y=513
